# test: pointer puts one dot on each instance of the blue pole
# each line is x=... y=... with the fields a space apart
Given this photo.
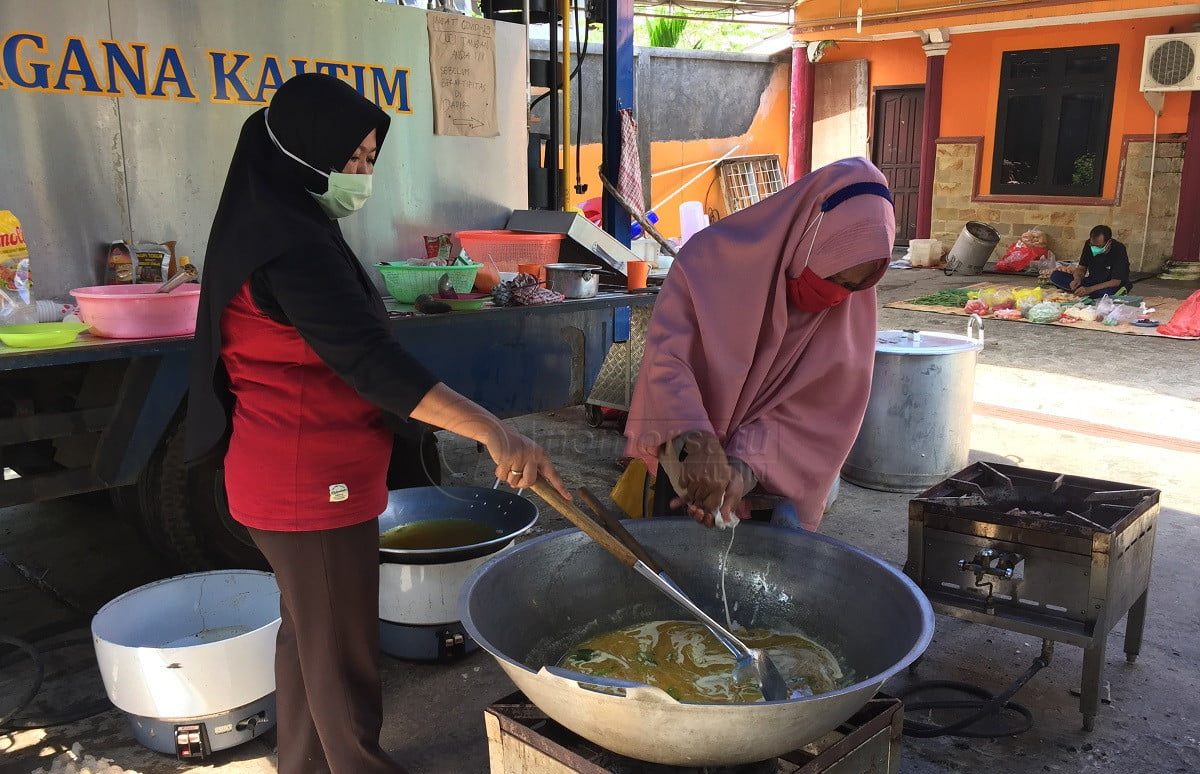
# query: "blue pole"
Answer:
x=618 y=96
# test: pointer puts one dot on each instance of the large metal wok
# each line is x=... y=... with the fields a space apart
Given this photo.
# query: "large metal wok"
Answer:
x=529 y=606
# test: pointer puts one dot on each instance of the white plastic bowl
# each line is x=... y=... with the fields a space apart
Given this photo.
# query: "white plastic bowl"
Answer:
x=190 y=646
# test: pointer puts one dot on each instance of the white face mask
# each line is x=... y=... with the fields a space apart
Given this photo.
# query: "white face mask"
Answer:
x=346 y=193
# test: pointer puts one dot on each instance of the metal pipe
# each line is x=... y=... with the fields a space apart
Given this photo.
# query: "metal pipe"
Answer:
x=843 y=18
x=701 y=174
x=528 y=93
x=618 y=89
x=567 y=165
x=553 y=183
x=1150 y=189
x=715 y=19
x=673 y=170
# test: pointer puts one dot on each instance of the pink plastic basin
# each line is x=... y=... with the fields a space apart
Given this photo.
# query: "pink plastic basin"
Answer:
x=137 y=312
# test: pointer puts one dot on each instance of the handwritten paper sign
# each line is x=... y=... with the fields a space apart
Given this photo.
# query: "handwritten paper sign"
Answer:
x=462 y=61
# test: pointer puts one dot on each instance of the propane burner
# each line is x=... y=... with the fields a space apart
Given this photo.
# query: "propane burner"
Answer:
x=518 y=733
x=1059 y=557
x=1039 y=500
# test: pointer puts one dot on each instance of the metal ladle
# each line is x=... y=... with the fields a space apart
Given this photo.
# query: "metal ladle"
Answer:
x=751 y=662
x=185 y=274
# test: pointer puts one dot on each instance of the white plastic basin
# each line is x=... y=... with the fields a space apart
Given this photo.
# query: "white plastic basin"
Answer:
x=190 y=646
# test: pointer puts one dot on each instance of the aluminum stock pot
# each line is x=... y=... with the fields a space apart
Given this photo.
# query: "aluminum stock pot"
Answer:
x=530 y=605
x=573 y=280
x=917 y=427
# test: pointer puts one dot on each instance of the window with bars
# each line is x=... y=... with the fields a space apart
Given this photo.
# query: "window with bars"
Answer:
x=749 y=180
x=1053 y=121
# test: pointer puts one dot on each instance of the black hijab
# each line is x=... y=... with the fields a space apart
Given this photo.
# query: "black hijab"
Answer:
x=265 y=212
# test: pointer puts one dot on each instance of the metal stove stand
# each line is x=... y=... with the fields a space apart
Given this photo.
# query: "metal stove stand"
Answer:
x=522 y=740
x=1059 y=557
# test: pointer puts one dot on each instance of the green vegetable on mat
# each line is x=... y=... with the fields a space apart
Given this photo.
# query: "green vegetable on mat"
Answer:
x=956 y=298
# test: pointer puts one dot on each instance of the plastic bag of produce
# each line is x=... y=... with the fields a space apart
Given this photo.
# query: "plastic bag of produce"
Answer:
x=1122 y=314
x=1185 y=323
x=1045 y=312
x=1081 y=313
x=1035 y=294
x=1047 y=265
x=17 y=304
x=1105 y=306
x=1035 y=238
x=977 y=306
x=1026 y=299
x=1019 y=257
x=998 y=298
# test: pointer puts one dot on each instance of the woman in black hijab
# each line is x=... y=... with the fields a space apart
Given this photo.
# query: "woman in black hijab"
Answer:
x=298 y=385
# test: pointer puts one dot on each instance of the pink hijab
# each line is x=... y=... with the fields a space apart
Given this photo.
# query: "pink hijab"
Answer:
x=726 y=353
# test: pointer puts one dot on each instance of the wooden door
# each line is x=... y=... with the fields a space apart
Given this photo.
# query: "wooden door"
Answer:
x=897 y=152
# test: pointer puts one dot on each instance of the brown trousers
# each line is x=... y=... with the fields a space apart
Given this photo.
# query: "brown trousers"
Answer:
x=330 y=701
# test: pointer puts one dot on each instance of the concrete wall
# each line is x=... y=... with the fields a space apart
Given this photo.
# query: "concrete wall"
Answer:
x=1068 y=225
x=691 y=106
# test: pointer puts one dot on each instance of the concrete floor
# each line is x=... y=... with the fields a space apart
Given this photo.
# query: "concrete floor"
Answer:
x=1151 y=721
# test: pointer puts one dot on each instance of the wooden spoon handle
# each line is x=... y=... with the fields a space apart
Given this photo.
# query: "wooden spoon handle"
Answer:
x=614 y=525
x=586 y=523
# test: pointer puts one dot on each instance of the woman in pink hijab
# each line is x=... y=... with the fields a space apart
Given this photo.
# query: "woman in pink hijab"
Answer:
x=759 y=354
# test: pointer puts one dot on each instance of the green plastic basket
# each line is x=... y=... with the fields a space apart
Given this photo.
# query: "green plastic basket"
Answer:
x=406 y=282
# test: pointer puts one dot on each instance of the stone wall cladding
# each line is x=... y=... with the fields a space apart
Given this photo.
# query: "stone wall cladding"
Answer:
x=1067 y=225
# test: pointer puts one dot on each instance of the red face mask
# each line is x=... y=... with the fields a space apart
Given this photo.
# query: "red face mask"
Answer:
x=810 y=293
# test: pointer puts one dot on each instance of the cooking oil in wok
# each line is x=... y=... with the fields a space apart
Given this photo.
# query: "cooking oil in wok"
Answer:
x=437 y=533
x=686 y=661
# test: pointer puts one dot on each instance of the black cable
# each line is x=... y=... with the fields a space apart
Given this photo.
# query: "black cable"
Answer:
x=984 y=703
x=580 y=53
x=540 y=97
x=29 y=644
x=35 y=685
x=71 y=714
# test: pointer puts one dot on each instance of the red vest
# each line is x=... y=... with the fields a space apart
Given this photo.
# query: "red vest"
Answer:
x=307 y=452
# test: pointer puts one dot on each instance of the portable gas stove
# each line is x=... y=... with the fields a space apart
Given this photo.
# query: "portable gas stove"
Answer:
x=522 y=740
x=1053 y=556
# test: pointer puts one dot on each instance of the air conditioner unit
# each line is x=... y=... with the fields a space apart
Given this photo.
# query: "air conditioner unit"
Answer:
x=1171 y=63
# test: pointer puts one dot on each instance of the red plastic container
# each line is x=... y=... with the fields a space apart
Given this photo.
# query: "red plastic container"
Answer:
x=503 y=250
x=137 y=312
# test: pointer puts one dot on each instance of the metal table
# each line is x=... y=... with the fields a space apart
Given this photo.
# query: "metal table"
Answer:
x=89 y=415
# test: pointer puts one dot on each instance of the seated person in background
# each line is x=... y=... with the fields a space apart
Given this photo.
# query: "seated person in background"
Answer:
x=1103 y=268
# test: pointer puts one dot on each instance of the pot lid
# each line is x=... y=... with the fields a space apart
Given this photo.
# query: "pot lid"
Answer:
x=910 y=342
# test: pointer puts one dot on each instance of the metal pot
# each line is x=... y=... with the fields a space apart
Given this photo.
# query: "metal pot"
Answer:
x=193 y=649
x=917 y=429
x=419 y=588
x=530 y=605
x=573 y=280
x=972 y=249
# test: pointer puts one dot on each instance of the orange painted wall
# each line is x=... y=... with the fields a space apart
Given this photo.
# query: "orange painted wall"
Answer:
x=768 y=134
x=972 y=82
x=821 y=16
x=894 y=63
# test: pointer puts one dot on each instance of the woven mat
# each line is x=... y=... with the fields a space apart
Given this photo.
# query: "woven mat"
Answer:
x=1033 y=273
x=1164 y=309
